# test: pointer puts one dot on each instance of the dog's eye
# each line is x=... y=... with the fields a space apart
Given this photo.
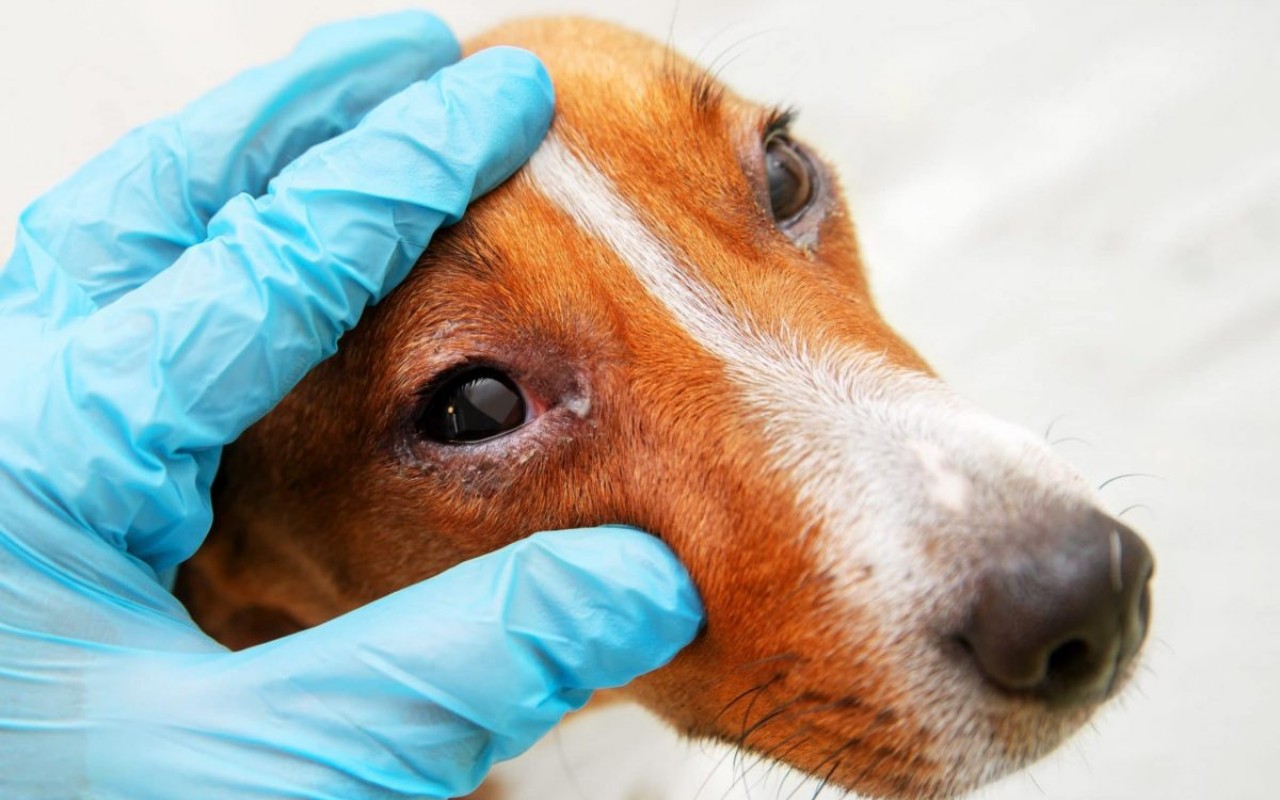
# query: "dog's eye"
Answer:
x=791 y=179
x=471 y=406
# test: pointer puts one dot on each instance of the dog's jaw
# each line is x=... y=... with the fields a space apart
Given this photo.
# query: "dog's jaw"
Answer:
x=701 y=374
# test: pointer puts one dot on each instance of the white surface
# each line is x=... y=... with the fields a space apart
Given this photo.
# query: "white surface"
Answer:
x=1071 y=208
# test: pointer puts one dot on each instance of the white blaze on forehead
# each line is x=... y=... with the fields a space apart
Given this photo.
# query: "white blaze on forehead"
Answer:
x=879 y=458
x=869 y=448
x=586 y=195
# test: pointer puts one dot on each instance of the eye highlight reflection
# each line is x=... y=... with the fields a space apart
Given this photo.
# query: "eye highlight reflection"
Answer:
x=472 y=406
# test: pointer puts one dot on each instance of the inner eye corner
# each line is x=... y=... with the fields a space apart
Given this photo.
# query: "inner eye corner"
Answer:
x=469 y=405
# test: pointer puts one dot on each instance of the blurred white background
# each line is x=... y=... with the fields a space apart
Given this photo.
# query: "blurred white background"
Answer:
x=1072 y=208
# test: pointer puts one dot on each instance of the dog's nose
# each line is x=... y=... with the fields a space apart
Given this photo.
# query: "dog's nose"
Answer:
x=1059 y=614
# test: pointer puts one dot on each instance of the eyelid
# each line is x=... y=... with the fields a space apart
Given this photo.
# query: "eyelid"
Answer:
x=777 y=120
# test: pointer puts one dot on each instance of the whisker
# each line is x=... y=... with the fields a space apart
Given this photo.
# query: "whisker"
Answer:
x=697 y=57
x=1035 y=782
x=835 y=754
x=800 y=735
x=1112 y=480
x=1067 y=439
x=746 y=716
x=733 y=51
x=759 y=687
x=1127 y=509
x=791 y=771
x=739 y=777
x=1048 y=431
x=754 y=692
x=711 y=774
x=767 y=718
x=826 y=779
x=671 y=28
x=778 y=756
x=771 y=754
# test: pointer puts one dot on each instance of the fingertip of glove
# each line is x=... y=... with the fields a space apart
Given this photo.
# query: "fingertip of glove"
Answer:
x=520 y=80
x=505 y=95
x=517 y=64
x=635 y=565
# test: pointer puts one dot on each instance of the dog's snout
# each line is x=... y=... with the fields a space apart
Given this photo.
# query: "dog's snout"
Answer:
x=1060 y=615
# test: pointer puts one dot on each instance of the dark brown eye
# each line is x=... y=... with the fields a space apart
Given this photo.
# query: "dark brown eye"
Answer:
x=471 y=406
x=791 y=181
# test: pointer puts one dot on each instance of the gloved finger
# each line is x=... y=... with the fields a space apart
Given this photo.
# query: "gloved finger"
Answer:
x=420 y=692
x=132 y=211
x=184 y=363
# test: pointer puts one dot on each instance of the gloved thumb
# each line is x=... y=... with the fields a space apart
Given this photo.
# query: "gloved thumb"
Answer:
x=420 y=692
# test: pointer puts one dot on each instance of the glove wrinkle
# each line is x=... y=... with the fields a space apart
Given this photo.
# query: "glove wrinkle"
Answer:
x=163 y=299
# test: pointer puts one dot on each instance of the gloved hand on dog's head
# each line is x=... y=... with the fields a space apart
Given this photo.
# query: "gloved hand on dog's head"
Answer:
x=159 y=302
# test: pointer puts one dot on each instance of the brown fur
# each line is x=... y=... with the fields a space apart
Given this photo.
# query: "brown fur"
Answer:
x=331 y=502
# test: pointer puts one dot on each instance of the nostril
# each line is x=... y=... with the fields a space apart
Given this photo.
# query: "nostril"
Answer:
x=1069 y=661
x=1059 y=616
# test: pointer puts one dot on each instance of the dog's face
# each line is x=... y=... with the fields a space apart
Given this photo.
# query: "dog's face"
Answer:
x=663 y=321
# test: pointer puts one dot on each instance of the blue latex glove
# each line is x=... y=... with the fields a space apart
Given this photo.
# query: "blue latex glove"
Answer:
x=158 y=303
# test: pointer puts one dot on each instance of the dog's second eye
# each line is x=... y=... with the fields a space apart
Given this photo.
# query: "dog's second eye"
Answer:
x=471 y=406
x=791 y=181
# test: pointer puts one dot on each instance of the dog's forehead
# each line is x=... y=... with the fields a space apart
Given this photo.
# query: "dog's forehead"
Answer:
x=626 y=100
x=652 y=168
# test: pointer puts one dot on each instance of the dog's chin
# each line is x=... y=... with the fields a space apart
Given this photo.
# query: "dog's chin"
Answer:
x=945 y=770
x=966 y=741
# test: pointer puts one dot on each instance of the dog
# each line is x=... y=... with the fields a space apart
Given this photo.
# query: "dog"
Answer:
x=663 y=320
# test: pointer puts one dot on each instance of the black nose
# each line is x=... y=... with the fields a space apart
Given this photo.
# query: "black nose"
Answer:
x=1059 y=613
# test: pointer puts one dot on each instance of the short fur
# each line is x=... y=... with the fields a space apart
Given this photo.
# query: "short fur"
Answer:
x=823 y=584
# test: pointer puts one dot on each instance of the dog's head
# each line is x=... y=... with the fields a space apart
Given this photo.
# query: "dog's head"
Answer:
x=663 y=320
